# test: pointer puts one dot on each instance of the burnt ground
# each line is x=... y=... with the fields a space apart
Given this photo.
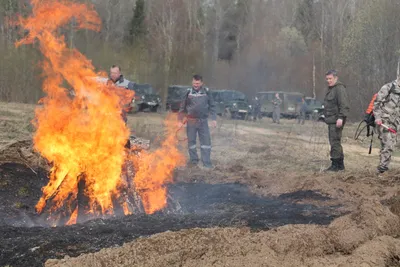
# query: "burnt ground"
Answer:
x=191 y=205
x=20 y=189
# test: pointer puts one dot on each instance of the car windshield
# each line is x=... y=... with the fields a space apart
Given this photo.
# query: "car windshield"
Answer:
x=177 y=92
x=144 y=89
x=294 y=98
x=313 y=102
x=267 y=96
x=233 y=95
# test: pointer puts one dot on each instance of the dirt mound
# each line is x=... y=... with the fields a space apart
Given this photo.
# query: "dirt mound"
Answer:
x=22 y=152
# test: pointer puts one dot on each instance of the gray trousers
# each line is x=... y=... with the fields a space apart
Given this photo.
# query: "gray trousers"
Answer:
x=194 y=127
x=302 y=117
x=276 y=114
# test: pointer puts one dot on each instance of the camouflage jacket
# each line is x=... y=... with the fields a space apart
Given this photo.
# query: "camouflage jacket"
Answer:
x=277 y=102
x=387 y=104
x=336 y=104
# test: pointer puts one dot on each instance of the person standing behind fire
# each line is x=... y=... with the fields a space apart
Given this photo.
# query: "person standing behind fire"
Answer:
x=303 y=110
x=387 y=112
x=116 y=78
x=197 y=105
x=276 y=112
x=336 y=110
x=256 y=109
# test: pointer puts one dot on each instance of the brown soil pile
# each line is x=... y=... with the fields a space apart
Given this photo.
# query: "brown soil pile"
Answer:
x=22 y=152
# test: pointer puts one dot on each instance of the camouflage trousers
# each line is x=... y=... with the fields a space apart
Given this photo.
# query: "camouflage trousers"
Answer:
x=388 y=141
x=335 y=141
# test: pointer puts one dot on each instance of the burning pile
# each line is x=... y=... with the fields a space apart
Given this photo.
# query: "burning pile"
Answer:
x=84 y=136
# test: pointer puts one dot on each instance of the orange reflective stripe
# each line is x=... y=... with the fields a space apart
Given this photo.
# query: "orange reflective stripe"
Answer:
x=371 y=105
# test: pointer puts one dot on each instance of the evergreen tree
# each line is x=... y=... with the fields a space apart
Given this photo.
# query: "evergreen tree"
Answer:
x=137 y=27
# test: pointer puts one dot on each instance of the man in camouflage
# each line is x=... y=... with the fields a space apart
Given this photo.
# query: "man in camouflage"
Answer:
x=387 y=112
x=276 y=112
x=336 y=110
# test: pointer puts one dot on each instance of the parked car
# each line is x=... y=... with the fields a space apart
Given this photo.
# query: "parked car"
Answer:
x=230 y=103
x=175 y=96
x=147 y=98
x=315 y=109
x=290 y=107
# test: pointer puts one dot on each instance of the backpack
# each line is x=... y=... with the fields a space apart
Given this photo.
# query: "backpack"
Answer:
x=369 y=118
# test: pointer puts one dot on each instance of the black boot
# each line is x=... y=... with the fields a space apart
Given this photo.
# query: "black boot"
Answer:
x=340 y=164
x=333 y=167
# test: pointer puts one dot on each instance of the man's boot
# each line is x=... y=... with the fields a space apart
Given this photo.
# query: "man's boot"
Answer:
x=381 y=170
x=340 y=164
x=333 y=167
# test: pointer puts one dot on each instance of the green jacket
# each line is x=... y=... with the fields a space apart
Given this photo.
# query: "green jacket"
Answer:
x=336 y=105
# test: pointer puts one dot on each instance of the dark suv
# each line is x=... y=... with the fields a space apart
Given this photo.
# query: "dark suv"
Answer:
x=147 y=98
x=230 y=103
x=176 y=94
x=315 y=109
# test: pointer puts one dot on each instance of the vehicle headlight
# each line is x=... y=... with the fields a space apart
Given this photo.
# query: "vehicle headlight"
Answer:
x=322 y=106
x=234 y=104
x=143 y=97
x=315 y=110
x=250 y=106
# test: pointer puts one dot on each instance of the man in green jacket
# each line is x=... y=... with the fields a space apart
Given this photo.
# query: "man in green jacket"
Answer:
x=336 y=110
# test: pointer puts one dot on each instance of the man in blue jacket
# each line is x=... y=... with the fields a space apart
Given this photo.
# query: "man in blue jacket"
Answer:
x=197 y=105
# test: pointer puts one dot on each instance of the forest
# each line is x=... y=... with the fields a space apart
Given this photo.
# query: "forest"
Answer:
x=245 y=45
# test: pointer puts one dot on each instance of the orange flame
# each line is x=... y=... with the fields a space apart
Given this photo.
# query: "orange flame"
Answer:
x=74 y=217
x=155 y=170
x=84 y=136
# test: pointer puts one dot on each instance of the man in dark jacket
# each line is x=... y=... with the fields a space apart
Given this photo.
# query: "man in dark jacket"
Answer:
x=336 y=110
x=197 y=105
x=256 y=109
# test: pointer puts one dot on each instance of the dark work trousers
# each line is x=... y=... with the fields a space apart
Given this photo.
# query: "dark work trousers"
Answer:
x=199 y=126
x=335 y=140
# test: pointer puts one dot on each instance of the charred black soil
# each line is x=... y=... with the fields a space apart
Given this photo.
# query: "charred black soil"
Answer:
x=190 y=205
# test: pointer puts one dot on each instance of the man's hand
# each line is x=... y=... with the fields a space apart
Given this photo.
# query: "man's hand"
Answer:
x=214 y=124
x=378 y=122
x=339 y=123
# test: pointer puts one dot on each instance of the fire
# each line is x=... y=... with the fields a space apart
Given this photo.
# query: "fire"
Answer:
x=155 y=169
x=73 y=218
x=84 y=136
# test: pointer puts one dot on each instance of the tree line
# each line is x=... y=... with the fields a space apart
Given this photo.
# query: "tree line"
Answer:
x=245 y=45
